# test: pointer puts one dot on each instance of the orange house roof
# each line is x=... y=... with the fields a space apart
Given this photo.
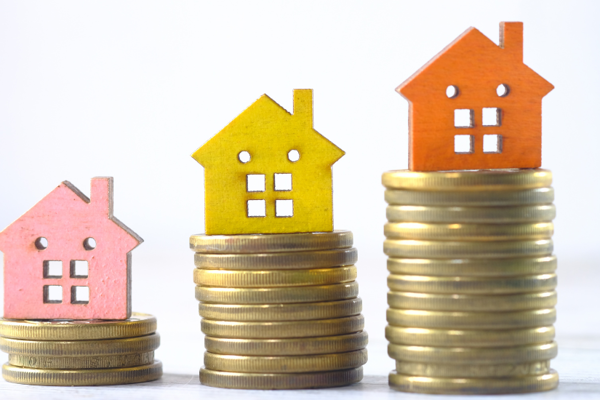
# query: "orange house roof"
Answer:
x=476 y=66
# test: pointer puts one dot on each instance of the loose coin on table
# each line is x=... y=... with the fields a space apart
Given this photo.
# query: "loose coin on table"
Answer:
x=287 y=347
x=515 y=384
x=306 y=294
x=468 y=338
x=274 y=278
x=284 y=329
x=284 y=242
x=473 y=355
x=82 y=377
x=280 y=312
x=138 y=325
x=285 y=364
x=237 y=380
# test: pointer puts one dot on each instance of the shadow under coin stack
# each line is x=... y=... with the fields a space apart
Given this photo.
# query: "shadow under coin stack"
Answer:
x=80 y=353
x=279 y=311
x=472 y=283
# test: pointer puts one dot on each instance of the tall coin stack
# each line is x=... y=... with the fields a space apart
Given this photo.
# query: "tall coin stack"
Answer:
x=472 y=281
x=279 y=311
x=80 y=353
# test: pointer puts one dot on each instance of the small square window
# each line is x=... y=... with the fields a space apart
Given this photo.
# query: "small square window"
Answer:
x=80 y=295
x=283 y=182
x=53 y=294
x=79 y=269
x=52 y=269
x=255 y=183
x=463 y=118
x=256 y=208
x=491 y=116
x=284 y=208
x=492 y=143
x=463 y=144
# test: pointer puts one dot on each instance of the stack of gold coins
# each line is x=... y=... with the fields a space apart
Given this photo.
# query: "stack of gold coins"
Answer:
x=80 y=353
x=280 y=311
x=472 y=281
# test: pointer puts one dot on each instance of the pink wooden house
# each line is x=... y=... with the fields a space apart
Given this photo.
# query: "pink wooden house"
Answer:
x=69 y=258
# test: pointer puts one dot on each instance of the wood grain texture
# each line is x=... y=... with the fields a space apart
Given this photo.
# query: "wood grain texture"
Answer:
x=476 y=66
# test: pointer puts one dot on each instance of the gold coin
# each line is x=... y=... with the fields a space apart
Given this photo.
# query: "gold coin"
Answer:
x=498 y=198
x=237 y=380
x=472 y=215
x=473 y=267
x=78 y=348
x=472 y=284
x=471 y=320
x=284 y=329
x=442 y=249
x=138 y=325
x=273 y=243
x=482 y=180
x=92 y=362
x=287 y=347
x=468 y=338
x=285 y=364
x=471 y=302
x=281 y=312
x=476 y=232
x=473 y=355
x=82 y=377
x=306 y=294
x=472 y=371
x=471 y=386
x=268 y=261
x=277 y=278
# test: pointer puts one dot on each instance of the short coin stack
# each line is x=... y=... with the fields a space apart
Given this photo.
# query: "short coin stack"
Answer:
x=80 y=353
x=279 y=311
x=472 y=283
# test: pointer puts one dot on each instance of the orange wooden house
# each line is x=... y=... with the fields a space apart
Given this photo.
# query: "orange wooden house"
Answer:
x=476 y=106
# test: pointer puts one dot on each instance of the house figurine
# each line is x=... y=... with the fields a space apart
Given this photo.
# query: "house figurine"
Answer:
x=476 y=106
x=69 y=258
x=269 y=171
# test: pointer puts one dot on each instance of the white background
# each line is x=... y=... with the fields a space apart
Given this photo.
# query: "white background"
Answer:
x=131 y=88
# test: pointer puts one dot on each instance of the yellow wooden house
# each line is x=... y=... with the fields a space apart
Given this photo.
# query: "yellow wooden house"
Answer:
x=269 y=171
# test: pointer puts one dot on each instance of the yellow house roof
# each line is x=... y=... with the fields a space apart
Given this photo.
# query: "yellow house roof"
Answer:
x=265 y=128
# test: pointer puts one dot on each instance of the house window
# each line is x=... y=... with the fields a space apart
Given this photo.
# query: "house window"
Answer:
x=244 y=157
x=491 y=116
x=452 y=91
x=52 y=269
x=80 y=294
x=463 y=144
x=256 y=208
x=492 y=143
x=463 y=118
x=89 y=243
x=284 y=208
x=79 y=269
x=41 y=243
x=293 y=155
x=502 y=90
x=53 y=294
x=255 y=183
x=283 y=182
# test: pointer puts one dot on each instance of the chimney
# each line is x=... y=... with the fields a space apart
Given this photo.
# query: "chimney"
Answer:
x=303 y=106
x=511 y=39
x=102 y=194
